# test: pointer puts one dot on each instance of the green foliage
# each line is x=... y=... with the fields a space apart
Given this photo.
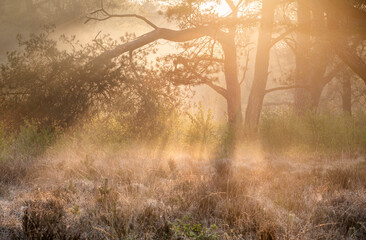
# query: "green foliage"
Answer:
x=42 y=83
x=201 y=130
x=56 y=87
x=75 y=209
x=29 y=142
x=118 y=130
x=32 y=140
x=326 y=133
x=183 y=229
x=227 y=141
x=4 y=142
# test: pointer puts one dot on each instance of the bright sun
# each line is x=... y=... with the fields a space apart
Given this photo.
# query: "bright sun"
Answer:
x=224 y=9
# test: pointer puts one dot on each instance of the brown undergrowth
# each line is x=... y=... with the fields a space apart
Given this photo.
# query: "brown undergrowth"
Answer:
x=88 y=193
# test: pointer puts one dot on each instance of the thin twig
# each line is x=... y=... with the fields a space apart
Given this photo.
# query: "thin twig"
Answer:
x=107 y=15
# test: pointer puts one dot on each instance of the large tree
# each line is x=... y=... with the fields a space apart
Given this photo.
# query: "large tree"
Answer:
x=215 y=38
x=327 y=32
x=258 y=90
x=210 y=44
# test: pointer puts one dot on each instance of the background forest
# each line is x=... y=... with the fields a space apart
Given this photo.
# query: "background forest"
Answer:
x=175 y=119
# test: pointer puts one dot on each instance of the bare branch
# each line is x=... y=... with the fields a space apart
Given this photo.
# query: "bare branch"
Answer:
x=133 y=65
x=333 y=73
x=245 y=70
x=96 y=41
x=271 y=104
x=349 y=57
x=234 y=8
x=210 y=59
x=285 y=88
x=283 y=35
x=244 y=75
x=106 y=15
x=220 y=90
x=231 y=5
x=239 y=3
x=293 y=48
x=161 y=33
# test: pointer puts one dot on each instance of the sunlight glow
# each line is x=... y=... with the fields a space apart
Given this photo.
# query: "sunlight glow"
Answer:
x=223 y=9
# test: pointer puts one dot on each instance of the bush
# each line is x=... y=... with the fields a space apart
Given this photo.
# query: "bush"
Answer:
x=4 y=142
x=32 y=140
x=18 y=149
x=29 y=142
x=57 y=88
x=323 y=133
x=202 y=131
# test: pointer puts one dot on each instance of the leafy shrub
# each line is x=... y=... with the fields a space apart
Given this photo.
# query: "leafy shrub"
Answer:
x=30 y=141
x=183 y=229
x=202 y=131
x=17 y=149
x=201 y=128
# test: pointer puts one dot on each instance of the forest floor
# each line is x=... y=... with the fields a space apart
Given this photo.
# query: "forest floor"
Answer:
x=91 y=193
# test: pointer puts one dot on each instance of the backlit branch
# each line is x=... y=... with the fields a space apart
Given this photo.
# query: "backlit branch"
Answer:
x=106 y=15
x=220 y=90
x=283 y=35
x=245 y=69
x=231 y=5
x=349 y=57
x=285 y=88
x=333 y=73
x=96 y=41
x=161 y=33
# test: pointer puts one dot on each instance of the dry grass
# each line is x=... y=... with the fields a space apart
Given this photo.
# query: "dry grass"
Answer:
x=89 y=193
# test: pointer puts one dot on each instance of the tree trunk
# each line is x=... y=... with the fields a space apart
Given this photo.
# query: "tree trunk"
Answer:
x=235 y=117
x=314 y=100
x=257 y=92
x=338 y=38
x=347 y=96
x=227 y=39
x=302 y=56
x=319 y=57
x=312 y=60
x=233 y=97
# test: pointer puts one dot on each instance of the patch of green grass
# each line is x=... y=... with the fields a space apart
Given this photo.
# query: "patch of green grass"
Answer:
x=184 y=229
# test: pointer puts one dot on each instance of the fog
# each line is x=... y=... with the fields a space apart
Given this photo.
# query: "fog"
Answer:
x=183 y=119
x=25 y=17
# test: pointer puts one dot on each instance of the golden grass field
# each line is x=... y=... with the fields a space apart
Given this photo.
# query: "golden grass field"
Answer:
x=80 y=191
